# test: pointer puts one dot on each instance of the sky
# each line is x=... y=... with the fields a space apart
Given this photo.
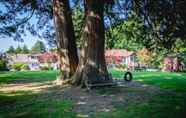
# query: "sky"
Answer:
x=29 y=40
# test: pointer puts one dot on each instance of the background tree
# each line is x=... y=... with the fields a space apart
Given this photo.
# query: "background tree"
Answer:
x=38 y=47
x=165 y=19
x=3 y=62
x=18 y=50
x=25 y=50
x=78 y=21
x=11 y=50
x=145 y=57
x=126 y=34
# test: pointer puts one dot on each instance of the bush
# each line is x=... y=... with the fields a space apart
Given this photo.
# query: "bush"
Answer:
x=46 y=68
x=25 y=67
x=17 y=66
x=3 y=65
x=121 y=66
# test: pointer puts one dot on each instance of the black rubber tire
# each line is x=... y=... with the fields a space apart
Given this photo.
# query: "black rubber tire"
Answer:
x=128 y=76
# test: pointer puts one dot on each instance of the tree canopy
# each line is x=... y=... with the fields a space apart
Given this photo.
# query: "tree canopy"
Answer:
x=18 y=50
x=25 y=50
x=165 y=20
x=39 y=47
x=11 y=50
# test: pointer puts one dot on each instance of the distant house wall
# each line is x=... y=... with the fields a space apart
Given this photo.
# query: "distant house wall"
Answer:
x=35 y=61
x=29 y=59
x=121 y=56
x=172 y=64
x=49 y=59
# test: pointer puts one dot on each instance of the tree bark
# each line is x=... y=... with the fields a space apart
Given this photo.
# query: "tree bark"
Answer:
x=65 y=38
x=92 y=64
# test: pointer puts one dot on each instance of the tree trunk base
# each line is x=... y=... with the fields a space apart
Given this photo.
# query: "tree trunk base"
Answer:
x=61 y=82
x=90 y=76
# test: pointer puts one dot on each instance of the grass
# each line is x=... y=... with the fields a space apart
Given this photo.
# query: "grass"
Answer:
x=33 y=76
x=47 y=108
x=27 y=103
x=166 y=80
x=161 y=106
x=44 y=104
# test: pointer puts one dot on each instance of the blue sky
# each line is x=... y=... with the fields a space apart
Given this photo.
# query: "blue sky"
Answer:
x=29 y=40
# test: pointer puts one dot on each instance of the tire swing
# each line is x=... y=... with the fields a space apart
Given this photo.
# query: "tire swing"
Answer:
x=128 y=76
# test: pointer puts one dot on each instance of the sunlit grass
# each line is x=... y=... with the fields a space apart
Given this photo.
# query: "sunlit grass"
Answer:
x=166 y=80
x=7 y=77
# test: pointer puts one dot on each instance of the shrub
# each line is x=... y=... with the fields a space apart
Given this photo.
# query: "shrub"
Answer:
x=46 y=68
x=121 y=66
x=25 y=67
x=3 y=65
x=17 y=66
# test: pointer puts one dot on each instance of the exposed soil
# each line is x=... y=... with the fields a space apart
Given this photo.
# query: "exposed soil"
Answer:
x=105 y=99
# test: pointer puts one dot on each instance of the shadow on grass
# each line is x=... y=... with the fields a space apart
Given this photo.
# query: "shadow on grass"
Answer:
x=47 y=103
x=114 y=90
x=172 y=105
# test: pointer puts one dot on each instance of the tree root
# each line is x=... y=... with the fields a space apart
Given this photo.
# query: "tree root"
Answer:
x=63 y=82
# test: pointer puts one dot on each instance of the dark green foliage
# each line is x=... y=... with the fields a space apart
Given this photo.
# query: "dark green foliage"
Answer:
x=38 y=47
x=18 y=50
x=11 y=50
x=25 y=50
x=3 y=62
x=3 y=65
x=46 y=68
x=165 y=19
x=127 y=34
x=78 y=17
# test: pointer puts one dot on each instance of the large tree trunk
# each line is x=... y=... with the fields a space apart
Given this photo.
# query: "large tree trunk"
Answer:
x=65 y=38
x=92 y=64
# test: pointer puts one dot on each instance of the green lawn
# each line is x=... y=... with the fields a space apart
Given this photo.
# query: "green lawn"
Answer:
x=46 y=105
x=161 y=106
x=167 y=80
x=176 y=81
x=26 y=103
x=33 y=76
